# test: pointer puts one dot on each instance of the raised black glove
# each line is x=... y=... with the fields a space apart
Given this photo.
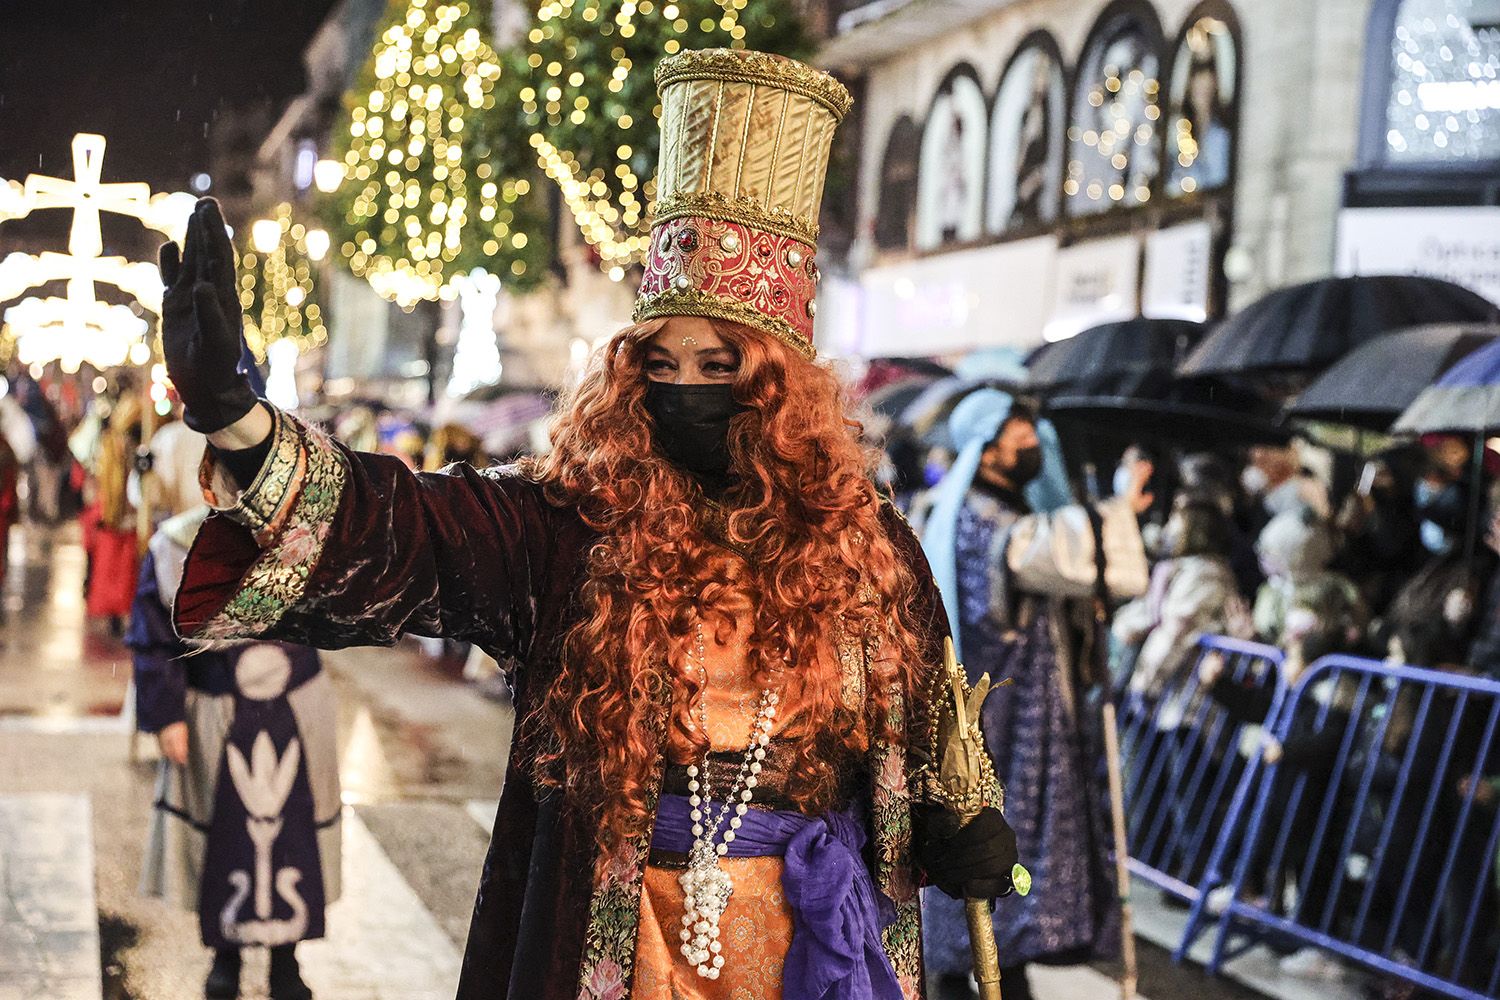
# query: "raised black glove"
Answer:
x=972 y=861
x=200 y=324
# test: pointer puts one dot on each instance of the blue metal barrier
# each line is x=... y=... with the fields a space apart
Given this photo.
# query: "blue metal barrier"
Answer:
x=1182 y=768
x=1370 y=838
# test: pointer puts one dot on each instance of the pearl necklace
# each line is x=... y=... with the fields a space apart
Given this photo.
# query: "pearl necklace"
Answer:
x=705 y=885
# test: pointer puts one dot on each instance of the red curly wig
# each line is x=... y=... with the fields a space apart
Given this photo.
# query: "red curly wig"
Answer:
x=804 y=507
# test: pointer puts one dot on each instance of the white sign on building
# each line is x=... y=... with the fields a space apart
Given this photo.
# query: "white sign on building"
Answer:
x=1461 y=245
x=994 y=296
x=1096 y=282
x=1177 y=272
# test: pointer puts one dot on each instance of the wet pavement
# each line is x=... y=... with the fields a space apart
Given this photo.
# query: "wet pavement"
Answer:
x=420 y=752
x=422 y=758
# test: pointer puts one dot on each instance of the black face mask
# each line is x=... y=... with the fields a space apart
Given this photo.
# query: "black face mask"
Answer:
x=1028 y=466
x=691 y=426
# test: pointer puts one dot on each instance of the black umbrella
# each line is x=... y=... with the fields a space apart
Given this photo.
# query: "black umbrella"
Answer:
x=1374 y=383
x=1195 y=413
x=1104 y=352
x=1303 y=329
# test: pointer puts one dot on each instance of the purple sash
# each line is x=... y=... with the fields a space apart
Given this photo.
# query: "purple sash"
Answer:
x=837 y=914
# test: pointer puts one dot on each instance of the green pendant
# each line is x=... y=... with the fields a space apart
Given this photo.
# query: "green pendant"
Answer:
x=1021 y=879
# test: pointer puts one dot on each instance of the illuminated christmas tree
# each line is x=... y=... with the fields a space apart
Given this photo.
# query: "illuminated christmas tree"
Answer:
x=433 y=187
x=277 y=290
x=589 y=98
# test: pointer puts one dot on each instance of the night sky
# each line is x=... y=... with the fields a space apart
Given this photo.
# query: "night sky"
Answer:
x=150 y=75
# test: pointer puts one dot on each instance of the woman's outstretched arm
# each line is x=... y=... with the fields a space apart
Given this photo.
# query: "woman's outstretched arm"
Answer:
x=332 y=548
x=317 y=544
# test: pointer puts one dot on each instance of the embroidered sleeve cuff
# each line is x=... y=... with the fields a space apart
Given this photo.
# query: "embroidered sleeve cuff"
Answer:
x=264 y=505
x=290 y=508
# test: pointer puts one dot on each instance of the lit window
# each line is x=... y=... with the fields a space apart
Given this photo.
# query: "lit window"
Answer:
x=1444 y=104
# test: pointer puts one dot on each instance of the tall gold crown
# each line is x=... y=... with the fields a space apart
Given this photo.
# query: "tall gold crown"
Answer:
x=745 y=139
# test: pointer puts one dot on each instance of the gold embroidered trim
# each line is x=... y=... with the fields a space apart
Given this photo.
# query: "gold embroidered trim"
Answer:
x=716 y=528
x=696 y=302
x=745 y=211
x=763 y=68
x=277 y=580
x=264 y=504
x=894 y=871
x=267 y=498
x=607 y=971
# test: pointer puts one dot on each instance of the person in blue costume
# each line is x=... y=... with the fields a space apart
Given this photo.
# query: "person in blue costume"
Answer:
x=1022 y=572
x=245 y=828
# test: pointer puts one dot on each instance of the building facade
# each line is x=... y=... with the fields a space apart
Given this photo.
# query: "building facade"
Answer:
x=1028 y=168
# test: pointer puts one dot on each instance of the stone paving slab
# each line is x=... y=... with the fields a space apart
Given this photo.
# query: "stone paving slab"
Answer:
x=49 y=923
x=439 y=853
x=382 y=942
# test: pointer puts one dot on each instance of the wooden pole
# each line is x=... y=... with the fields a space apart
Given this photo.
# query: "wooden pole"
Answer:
x=1130 y=972
x=982 y=944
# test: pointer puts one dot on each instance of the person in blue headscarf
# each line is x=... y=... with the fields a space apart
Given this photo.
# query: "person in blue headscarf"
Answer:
x=1024 y=574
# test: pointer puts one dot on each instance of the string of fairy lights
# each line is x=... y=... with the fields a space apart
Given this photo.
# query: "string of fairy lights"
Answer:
x=276 y=281
x=444 y=135
x=599 y=143
x=1108 y=161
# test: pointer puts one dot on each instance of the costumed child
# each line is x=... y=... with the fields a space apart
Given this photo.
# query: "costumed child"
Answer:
x=246 y=826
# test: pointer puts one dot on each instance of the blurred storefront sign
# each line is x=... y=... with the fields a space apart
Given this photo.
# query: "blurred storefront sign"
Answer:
x=1016 y=294
x=1179 y=264
x=1461 y=245
x=986 y=297
x=1095 y=282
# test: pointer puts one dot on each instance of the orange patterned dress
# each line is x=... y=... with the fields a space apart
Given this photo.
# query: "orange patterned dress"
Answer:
x=757 y=926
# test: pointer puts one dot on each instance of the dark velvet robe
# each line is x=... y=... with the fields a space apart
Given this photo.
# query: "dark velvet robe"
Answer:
x=364 y=550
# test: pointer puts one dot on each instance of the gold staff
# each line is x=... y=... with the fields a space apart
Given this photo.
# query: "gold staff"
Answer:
x=965 y=783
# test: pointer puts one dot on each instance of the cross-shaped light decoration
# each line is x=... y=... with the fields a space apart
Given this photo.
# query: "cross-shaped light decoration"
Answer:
x=83 y=325
x=87 y=195
x=13 y=201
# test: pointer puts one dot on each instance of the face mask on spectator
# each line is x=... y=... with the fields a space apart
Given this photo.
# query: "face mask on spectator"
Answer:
x=1028 y=466
x=1254 y=480
x=1443 y=511
x=1435 y=539
x=1121 y=483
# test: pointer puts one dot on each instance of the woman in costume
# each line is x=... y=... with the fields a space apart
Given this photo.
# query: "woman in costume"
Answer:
x=246 y=826
x=727 y=642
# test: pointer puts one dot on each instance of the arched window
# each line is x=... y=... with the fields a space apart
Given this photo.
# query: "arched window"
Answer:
x=1026 y=139
x=950 y=179
x=1441 y=67
x=1202 y=96
x=898 y=186
x=1114 y=150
